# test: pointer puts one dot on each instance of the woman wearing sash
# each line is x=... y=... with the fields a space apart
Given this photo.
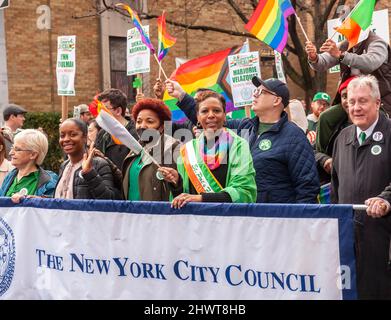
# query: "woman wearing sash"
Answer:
x=217 y=166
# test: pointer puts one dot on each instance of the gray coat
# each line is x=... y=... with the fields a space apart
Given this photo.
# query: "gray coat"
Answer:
x=359 y=173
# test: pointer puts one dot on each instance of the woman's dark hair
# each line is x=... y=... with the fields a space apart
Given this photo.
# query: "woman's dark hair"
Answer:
x=156 y=105
x=93 y=121
x=205 y=94
x=2 y=151
x=80 y=124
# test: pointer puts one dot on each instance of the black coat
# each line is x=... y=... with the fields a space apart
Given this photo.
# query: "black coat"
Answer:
x=359 y=173
x=96 y=184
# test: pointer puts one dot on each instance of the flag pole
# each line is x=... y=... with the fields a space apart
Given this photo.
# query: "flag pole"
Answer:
x=301 y=26
x=160 y=65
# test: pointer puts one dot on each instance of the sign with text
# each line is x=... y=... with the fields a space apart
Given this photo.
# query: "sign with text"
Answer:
x=137 y=53
x=379 y=26
x=66 y=65
x=242 y=68
x=279 y=66
x=60 y=249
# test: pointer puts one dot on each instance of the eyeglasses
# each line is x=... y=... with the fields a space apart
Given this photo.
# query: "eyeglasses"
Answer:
x=16 y=149
x=258 y=91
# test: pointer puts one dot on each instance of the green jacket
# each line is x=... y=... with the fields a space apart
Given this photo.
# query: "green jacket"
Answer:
x=240 y=182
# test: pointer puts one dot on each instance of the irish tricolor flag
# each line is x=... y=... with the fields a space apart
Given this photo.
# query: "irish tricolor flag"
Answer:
x=358 y=21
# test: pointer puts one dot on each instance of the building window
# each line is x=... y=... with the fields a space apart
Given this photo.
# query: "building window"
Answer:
x=119 y=79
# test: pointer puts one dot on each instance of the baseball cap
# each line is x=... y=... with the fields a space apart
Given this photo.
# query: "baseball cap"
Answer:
x=13 y=109
x=344 y=84
x=274 y=85
x=83 y=108
x=321 y=96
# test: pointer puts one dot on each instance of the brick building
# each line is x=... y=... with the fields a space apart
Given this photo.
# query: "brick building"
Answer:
x=28 y=46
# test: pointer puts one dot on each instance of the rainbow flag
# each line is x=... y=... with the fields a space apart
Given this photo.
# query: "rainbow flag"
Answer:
x=209 y=71
x=165 y=40
x=137 y=23
x=269 y=22
x=324 y=196
x=359 y=20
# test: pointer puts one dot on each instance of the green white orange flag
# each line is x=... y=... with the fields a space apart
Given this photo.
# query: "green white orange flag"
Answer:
x=359 y=20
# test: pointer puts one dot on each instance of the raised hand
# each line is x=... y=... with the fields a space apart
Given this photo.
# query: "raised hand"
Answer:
x=86 y=165
x=174 y=89
x=311 y=51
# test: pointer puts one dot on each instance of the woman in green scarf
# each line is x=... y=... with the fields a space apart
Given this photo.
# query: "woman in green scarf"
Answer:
x=217 y=166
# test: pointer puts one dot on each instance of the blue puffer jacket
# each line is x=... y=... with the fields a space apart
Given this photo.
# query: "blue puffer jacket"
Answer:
x=46 y=184
x=286 y=168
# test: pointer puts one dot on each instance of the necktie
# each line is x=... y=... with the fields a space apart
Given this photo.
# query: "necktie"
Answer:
x=362 y=137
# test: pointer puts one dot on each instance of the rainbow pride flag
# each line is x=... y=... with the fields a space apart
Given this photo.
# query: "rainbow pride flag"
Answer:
x=209 y=71
x=324 y=196
x=137 y=23
x=269 y=22
x=358 y=21
x=165 y=40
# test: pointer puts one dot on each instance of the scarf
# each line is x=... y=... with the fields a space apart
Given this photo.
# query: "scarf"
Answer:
x=213 y=157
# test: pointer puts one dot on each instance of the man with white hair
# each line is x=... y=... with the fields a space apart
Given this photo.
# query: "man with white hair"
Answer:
x=362 y=170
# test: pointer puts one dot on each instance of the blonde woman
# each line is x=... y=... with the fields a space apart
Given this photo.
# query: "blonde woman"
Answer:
x=28 y=178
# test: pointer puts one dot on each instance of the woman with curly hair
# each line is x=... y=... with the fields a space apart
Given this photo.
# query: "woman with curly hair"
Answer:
x=142 y=179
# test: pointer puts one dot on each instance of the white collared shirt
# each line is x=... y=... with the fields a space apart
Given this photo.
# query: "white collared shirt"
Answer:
x=368 y=132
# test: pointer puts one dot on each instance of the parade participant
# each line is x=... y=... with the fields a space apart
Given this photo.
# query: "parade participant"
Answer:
x=83 y=175
x=320 y=103
x=371 y=56
x=93 y=130
x=141 y=180
x=296 y=114
x=217 y=166
x=361 y=170
x=5 y=165
x=283 y=158
x=85 y=114
x=28 y=178
x=116 y=102
x=330 y=124
x=14 y=119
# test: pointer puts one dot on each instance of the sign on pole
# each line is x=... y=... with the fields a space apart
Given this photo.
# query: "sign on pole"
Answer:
x=242 y=68
x=279 y=66
x=4 y=4
x=137 y=53
x=379 y=26
x=66 y=65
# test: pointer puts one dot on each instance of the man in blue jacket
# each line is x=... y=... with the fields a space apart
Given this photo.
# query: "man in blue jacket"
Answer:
x=283 y=158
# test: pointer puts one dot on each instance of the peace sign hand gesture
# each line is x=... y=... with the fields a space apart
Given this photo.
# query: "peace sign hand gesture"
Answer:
x=86 y=166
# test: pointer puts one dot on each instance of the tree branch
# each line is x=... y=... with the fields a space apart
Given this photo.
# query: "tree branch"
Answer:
x=238 y=11
x=305 y=8
x=292 y=73
x=326 y=13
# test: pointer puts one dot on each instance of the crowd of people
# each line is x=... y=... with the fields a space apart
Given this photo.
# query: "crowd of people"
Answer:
x=279 y=156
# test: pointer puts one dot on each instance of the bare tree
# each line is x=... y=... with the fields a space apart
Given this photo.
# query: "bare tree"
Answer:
x=314 y=12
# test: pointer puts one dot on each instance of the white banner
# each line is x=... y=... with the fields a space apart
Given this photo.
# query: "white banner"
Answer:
x=242 y=68
x=379 y=26
x=66 y=65
x=137 y=53
x=155 y=253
